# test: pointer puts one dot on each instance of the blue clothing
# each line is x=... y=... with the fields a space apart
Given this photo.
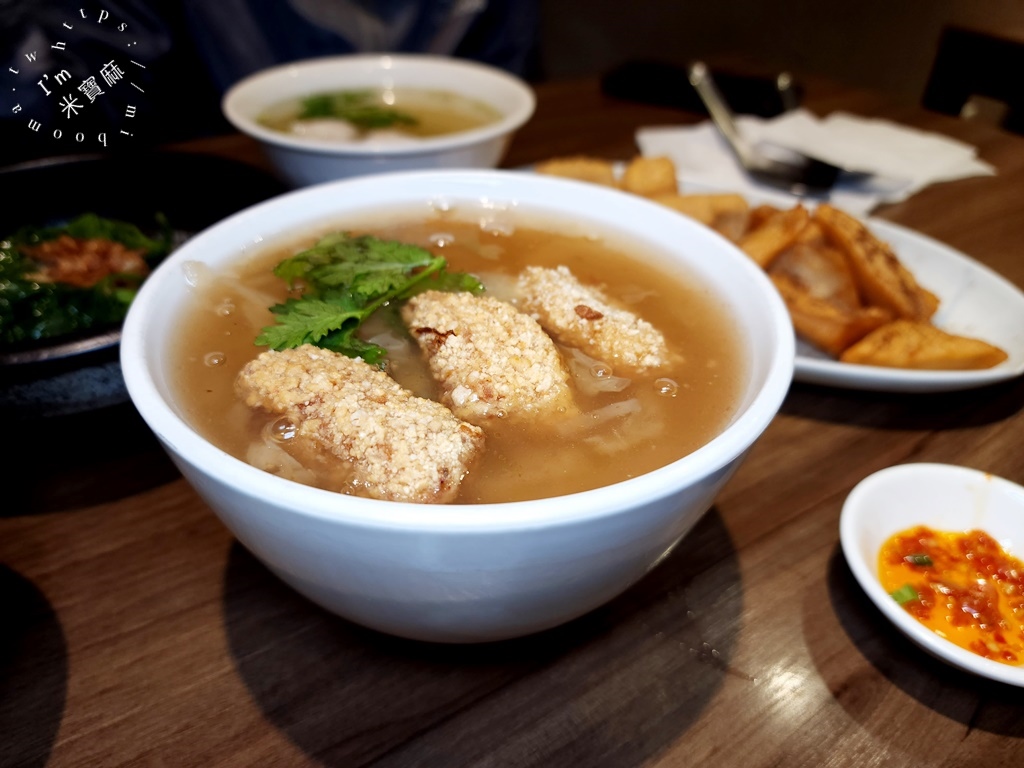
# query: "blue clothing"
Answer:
x=181 y=55
x=238 y=37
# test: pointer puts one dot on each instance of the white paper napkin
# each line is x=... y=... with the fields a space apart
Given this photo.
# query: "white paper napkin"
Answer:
x=905 y=159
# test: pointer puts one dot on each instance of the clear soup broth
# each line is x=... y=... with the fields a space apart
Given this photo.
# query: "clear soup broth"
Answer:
x=410 y=112
x=654 y=420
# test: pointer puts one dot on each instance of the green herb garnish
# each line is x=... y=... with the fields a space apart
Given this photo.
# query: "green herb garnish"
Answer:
x=360 y=108
x=919 y=559
x=344 y=280
x=905 y=594
x=33 y=310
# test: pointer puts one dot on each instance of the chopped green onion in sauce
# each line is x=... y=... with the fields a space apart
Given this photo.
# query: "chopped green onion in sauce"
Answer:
x=905 y=594
x=919 y=559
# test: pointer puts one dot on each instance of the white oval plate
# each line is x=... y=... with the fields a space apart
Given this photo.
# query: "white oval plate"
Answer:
x=974 y=301
x=943 y=497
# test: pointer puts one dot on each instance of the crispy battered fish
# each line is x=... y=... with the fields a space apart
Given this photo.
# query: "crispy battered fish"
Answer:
x=583 y=317
x=490 y=360
x=400 y=447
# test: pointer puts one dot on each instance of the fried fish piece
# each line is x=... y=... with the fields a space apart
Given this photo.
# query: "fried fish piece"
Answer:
x=400 y=447
x=490 y=360
x=882 y=279
x=915 y=344
x=581 y=316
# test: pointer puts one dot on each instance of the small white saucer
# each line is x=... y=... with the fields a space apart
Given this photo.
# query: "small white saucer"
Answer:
x=943 y=497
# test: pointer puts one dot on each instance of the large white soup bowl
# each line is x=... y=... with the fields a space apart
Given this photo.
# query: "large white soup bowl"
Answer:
x=475 y=572
x=303 y=161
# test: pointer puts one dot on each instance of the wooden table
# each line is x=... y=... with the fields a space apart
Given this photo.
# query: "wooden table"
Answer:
x=136 y=631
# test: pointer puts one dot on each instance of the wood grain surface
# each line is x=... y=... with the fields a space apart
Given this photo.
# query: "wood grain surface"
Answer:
x=136 y=632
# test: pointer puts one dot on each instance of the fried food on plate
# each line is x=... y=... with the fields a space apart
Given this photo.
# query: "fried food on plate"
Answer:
x=828 y=325
x=915 y=344
x=649 y=176
x=847 y=292
x=818 y=270
x=759 y=214
x=580 y=168
x=777 y=233
x=725 y=212
x=882 y=279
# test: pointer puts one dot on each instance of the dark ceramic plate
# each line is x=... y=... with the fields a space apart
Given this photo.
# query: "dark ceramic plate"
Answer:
x=194 y=191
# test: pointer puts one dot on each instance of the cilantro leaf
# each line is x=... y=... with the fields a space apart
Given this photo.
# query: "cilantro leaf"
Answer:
x=306 y=321
x=365 y=265
x=363 y=109
x=344 y=280
x=905 y=594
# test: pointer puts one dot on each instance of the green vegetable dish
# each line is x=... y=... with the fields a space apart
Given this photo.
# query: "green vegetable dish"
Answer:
x=74 y=278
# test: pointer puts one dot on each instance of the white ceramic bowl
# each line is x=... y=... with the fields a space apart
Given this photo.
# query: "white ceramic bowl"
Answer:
x=463 y=573
x=303 y=161
x=943 y=497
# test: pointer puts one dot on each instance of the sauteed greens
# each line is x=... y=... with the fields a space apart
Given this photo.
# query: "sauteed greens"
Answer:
x=344 y=280
x=75 y=277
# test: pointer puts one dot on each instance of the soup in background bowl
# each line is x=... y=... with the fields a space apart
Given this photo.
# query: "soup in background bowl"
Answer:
x=471 y=570
x=379 y=115
x=489 y=105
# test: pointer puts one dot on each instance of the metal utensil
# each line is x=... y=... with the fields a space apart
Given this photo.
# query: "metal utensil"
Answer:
x=798 y=174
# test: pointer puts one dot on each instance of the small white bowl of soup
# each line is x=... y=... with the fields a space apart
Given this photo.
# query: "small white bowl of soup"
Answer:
x=562 y=508
x=339 y=116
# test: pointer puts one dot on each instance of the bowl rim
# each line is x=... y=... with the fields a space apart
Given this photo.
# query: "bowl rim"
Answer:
x=526 y=103
x=715 y=455
x=852 y=523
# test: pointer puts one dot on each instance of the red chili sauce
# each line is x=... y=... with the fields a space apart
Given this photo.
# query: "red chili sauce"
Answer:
x=963 y=586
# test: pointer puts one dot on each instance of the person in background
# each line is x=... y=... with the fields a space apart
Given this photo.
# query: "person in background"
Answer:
x=188 y=52
x=238 y=37
x=50 y=49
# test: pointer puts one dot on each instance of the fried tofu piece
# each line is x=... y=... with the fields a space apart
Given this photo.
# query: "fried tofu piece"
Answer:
x=812 y=234
x=882 y=280
x=697 y=207
x=911 y=344
x=649 y=176
x=776 y=233
x=400 y=447
x=490 y=360
x=726 y=212
x=582 y=316
x=759 y=214
x=828 y=325
x=820 y=271
x=581 y=168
